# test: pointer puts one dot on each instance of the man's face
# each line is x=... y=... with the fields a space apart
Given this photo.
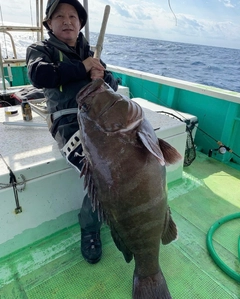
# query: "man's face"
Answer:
x=65 y=23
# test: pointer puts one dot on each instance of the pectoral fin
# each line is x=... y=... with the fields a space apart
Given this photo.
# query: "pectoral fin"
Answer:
x=152 y=146
x=120 y=244
x=170 y=231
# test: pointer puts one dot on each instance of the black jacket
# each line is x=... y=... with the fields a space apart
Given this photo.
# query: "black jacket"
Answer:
x=58 y=70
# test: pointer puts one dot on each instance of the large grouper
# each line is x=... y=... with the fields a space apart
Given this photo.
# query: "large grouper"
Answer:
x=124 y=169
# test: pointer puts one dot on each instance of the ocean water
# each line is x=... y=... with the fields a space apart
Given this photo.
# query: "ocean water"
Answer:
x=213 y=66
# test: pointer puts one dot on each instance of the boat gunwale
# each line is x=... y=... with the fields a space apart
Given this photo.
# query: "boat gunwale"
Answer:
x=223 y=94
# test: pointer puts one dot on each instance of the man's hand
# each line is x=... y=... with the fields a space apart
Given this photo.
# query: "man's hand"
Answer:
x=95 y=74
x=93 y=63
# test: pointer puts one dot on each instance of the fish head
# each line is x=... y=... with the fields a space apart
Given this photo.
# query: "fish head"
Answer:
x=110 y=111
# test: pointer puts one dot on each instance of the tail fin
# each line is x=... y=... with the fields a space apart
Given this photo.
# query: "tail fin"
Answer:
x=170 y=154
x=154 y=287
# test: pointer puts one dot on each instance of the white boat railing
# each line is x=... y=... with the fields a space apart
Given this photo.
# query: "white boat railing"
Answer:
x=6 y=29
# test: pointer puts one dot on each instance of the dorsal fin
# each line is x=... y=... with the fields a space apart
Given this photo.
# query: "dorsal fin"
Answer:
x=170 y=154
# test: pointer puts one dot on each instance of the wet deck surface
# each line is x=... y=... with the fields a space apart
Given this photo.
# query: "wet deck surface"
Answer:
x=209 y=191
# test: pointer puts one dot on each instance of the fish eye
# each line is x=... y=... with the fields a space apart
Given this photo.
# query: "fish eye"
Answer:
x=84 y=107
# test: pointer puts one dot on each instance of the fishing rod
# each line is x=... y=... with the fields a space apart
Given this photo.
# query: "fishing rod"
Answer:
x=222 y=148
x=169 y=4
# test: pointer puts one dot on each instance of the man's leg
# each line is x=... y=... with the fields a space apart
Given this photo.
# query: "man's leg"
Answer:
x=91 y=246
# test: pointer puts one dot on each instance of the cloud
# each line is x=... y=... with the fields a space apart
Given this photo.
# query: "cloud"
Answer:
x=204 y=31
x=133 y=9
x=121 y=9
x=153 y=21
x=226 y=3
x=213 y=22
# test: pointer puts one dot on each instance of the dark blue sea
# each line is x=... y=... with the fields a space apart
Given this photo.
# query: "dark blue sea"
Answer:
x=213 y=66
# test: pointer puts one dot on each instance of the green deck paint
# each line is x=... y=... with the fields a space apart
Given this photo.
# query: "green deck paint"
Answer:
x=54 y=268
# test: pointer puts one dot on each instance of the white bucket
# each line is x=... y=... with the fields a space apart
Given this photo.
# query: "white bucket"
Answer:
x=6 y=83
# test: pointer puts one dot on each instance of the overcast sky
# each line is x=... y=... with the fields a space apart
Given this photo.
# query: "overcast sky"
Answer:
x=213 y=22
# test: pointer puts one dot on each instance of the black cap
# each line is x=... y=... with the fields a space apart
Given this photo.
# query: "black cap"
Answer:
x=52 y=5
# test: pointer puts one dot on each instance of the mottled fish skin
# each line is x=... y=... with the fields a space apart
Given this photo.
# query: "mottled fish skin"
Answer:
x=126 y=175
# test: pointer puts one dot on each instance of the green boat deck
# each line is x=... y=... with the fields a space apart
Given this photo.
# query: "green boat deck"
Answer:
x=209 y=190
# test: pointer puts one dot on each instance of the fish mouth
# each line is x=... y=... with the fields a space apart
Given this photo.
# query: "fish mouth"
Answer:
x=84 y=105
x=90 y=90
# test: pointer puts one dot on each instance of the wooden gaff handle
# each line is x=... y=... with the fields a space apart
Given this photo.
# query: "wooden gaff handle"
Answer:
x=99 y=45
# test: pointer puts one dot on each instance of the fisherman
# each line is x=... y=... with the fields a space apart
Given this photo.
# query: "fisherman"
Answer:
x=61 y=66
